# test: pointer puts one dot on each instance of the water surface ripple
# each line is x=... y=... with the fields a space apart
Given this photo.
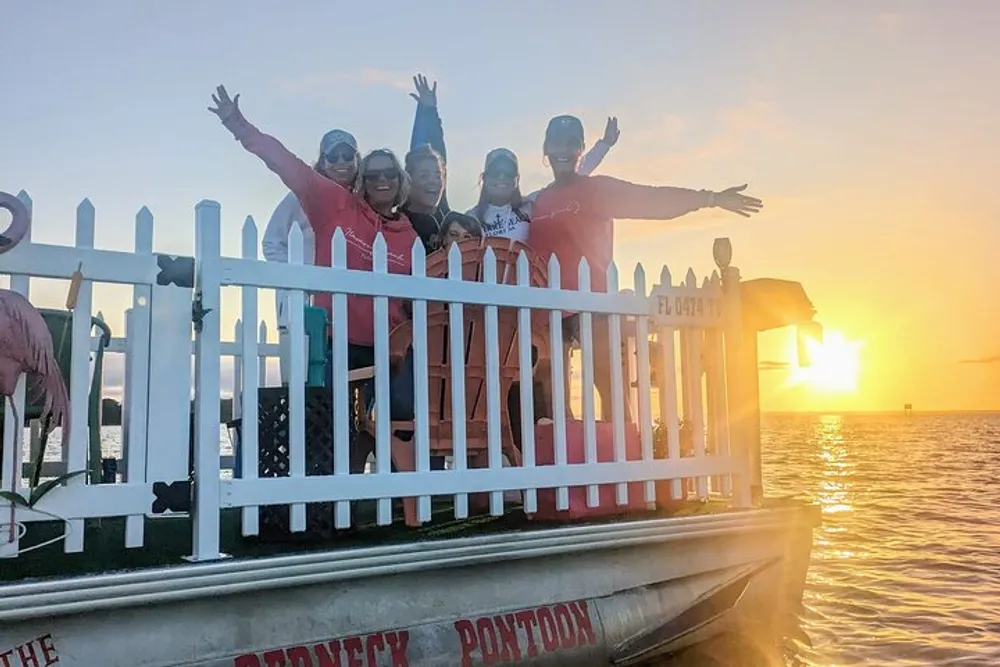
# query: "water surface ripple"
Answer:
x=906 y=566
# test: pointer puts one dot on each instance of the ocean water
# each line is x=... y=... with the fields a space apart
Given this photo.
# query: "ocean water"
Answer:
x=905 y=568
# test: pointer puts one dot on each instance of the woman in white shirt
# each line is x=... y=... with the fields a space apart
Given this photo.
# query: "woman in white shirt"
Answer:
x=502 y=210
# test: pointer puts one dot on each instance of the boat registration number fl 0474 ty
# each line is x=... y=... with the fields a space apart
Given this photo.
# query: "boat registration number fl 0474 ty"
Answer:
x=673 y=309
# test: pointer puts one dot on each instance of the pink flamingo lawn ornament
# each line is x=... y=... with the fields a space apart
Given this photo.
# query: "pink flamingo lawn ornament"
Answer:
x=26 y=347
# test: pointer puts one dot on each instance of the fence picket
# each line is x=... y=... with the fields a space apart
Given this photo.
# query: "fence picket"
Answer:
x=526 y=377
x=644 y=410
x=79 y=377
x=246 y=390
x=493 y=397
x=617 y=386
x=340 y=393
x=297 y=379
x=135 y=404
x=456 y=350
x=421 y=402
x=383 y=414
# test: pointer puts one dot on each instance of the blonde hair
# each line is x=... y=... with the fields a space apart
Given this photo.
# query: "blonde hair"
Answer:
x=404 y=178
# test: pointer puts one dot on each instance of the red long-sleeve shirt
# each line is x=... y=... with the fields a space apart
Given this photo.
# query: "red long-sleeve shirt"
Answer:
x=577 y=220
x=329 y=206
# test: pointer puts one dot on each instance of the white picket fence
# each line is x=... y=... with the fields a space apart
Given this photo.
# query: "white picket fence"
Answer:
x=696 y=325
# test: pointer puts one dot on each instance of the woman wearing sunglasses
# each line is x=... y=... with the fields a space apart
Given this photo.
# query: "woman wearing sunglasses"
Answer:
x=339 y=161
x=381 y=186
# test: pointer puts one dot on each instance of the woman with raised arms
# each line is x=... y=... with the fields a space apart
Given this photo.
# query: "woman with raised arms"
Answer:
x=381 y=187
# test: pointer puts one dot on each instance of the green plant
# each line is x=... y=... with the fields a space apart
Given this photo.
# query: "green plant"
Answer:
x=37 y=492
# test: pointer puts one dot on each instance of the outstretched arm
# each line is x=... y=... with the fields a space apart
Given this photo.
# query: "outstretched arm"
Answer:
x=622 y=199
x=599 y=151
x=296 y=174
x=427 y=128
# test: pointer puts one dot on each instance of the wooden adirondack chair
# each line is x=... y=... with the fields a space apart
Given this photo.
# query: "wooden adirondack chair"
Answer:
x=439 y=370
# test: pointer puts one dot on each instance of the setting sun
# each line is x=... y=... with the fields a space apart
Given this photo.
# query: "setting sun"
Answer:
x=835 y=365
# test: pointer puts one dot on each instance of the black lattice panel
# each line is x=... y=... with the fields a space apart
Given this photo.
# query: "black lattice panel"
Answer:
x=274 y=446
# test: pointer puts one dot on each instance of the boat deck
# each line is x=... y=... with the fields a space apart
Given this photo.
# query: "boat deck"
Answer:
x=168 y=539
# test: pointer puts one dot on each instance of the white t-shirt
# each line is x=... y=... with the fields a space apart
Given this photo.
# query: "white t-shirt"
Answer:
x=275 y=244
x=503 y=222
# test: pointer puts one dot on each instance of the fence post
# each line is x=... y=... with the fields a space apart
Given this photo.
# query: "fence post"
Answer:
x=77 y=446
x=736 y=380
x=205 y=313
x=135 y=405
x=170 y=393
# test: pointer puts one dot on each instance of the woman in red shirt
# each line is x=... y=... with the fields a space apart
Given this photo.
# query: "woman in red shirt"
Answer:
x=575 y=218
x=381 y=188
x=373 y=207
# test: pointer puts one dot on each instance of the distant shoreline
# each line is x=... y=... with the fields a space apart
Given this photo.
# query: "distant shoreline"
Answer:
x=112 y=412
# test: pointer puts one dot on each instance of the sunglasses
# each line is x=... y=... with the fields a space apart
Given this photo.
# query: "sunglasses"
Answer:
x=340 y=155
x=389 y=174
x=500 y=172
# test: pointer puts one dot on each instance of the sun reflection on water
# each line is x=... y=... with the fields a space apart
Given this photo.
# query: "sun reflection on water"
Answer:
x=835 y=488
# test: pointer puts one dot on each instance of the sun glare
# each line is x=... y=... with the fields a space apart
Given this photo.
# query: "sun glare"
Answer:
x=835 y=365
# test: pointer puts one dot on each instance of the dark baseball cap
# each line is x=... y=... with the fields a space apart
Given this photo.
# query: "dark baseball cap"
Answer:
x=565 y=126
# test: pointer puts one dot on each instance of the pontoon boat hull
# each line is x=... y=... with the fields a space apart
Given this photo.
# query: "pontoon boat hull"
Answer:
x=618 y=594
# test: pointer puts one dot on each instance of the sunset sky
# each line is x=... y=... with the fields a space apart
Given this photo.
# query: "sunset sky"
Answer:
x=867 y=127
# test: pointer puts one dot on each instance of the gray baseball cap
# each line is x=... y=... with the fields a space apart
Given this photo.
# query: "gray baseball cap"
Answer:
x=335 y=138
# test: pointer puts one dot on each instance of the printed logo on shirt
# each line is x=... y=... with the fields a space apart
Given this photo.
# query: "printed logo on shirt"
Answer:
x=502 y=225
x=364 y=249
x=572 y=208
x=504 y=222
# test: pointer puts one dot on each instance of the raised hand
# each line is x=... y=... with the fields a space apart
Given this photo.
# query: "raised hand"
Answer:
x=225 y=108
x=732 y=200
x=611 y=132
x=425 y=95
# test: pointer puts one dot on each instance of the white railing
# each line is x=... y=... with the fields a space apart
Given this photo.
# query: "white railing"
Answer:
x=119 y=345
x=692 y=323
x=80 y=501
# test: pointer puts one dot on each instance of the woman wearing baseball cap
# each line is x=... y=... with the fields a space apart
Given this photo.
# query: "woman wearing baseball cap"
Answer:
x=338 y=160
x=574 y=218
x=502 y=210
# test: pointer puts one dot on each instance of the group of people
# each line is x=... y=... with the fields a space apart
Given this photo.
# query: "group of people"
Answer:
x=572 y=217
